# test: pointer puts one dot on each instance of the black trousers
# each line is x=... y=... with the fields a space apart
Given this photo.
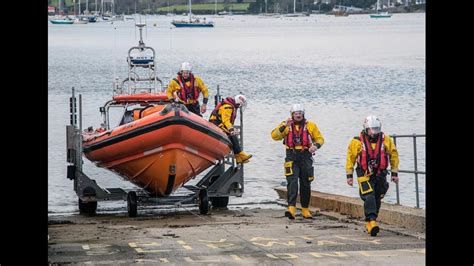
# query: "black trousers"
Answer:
x=373 y=200
x=302 y=171
x=236 y=148
x=194 y=108
x=235 y=144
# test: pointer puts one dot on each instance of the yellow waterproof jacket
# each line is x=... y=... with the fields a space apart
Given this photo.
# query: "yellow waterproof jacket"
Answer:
x=174 y=86
x=313 y=130
x=355 y=148
x=224 y=115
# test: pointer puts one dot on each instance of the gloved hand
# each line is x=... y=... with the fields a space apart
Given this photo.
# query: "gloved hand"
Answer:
x=394 y=177
x=313 y=149
x=350 y=180
x=203 y=108
x=288 y=121
x=232 y=132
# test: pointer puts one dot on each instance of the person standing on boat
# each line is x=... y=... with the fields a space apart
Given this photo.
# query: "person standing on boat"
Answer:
x=188 y=87
x=223 y=116
x=373 y=151
x=302 y=139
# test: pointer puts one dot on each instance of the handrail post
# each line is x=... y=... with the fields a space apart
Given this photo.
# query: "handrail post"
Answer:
x=72 y=109
x=416 y=171
x=241 y=129
x=80 y=134
x=80 y=112
x=396 y=184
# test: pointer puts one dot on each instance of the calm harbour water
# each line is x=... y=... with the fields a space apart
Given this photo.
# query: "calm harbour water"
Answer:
x=341 y=68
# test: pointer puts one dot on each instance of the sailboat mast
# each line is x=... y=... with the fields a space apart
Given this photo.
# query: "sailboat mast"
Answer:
x=265 y=6
x=189 y=10
x=79 y=7
x=59 y=8
x=294 y=6
x=87 y=6
x=215 y=7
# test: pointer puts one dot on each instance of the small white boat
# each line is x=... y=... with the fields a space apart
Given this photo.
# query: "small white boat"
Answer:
x=81 y=20
x=379 y=14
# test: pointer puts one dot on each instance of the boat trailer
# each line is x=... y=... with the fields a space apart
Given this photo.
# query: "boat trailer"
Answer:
x=224 y=179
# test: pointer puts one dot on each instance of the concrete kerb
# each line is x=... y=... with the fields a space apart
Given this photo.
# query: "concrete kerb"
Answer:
x=399 y=219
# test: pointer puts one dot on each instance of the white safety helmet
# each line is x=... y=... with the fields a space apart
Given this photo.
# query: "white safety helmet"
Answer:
x=297 y=107
x=186 y=66
x=372 y=125
x=241 y=100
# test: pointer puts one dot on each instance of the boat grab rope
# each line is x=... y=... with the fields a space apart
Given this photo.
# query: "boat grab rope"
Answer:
x=220 y=226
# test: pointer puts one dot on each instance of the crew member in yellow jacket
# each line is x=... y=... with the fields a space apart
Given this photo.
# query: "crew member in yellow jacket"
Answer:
x=223 y=116
x=302 y=139
x=373 y=151
x=188 y=88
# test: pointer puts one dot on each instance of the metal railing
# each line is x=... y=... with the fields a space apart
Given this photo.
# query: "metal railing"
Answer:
x=416 y=172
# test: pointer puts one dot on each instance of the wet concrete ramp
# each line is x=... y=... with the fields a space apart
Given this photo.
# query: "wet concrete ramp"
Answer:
x=235 y=236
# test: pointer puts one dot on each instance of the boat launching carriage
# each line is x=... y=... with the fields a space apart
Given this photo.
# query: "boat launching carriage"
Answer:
x=158 y=145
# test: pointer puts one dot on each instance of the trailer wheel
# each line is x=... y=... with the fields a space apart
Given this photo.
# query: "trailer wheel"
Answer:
x=132 y=204
x=87 y=207
x=203 y=201
x=220 y=202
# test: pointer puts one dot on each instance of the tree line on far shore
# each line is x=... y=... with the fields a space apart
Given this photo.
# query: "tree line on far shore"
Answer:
x=208 y=6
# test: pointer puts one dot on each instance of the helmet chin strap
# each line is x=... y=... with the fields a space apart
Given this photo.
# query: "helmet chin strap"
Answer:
x=298 y=122
x=371 y=138
x=181 y=74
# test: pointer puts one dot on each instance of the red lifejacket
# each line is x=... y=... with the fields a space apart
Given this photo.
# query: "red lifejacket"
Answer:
x=298 y=137
x=377 y=157
x=214 y=118
x=185 y=93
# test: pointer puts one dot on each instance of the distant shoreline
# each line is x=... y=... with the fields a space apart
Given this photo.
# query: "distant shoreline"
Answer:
x=244 y=9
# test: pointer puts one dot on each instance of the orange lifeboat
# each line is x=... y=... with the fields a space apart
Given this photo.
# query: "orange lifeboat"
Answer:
x=161 y=149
